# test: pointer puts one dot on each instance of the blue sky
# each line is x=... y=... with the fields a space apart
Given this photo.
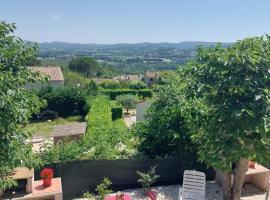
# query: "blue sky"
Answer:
x=115 y=21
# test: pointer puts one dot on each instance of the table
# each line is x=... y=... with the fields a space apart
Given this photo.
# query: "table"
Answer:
x=113 y=197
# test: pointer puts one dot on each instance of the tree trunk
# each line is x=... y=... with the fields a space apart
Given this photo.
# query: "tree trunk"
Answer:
x=227 y=185
x=239 y=176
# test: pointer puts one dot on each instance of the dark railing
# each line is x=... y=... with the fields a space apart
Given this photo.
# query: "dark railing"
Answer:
x=80 y=176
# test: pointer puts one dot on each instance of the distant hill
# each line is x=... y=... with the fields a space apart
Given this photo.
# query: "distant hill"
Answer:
x=143 y=46
x=125 y=57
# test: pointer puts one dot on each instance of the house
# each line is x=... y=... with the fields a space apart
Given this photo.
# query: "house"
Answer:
x=54 y=74
x=150 y=78
x=129 y=77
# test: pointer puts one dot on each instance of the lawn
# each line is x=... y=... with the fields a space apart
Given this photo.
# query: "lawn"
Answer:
x=43 y=128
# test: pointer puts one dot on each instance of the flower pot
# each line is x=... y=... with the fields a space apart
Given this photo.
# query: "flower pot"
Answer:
x=47 y=182
x=251 y=164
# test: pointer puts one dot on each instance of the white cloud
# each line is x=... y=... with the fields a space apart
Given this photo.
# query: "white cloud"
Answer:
x=56 y=16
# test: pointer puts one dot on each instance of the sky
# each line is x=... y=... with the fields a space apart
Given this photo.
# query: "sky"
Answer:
x=132 y=21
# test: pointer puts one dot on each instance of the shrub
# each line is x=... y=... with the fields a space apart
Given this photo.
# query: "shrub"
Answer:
x=104 y=139
x=104 y=135
x=137 y=85
x=117 y=110
x=147 y=179
x=110 y=85
x=103 y=188
x=65 y=101
x=145 y=93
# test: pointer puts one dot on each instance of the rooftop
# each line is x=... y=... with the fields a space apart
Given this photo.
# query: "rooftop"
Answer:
x=77 y=128
x=54 y=72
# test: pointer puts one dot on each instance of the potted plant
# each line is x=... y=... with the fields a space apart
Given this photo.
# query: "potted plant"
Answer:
x=46 y=174
x=147 y=179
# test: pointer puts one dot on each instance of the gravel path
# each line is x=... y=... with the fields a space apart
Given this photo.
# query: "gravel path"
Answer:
x=213 y=192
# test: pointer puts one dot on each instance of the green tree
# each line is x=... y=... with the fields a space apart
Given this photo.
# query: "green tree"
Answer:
x=110 y=85
x=164 y=132
x=86 y=66
x=17 y=104
x=137 y=85
x=128 y=101
x=227 y=101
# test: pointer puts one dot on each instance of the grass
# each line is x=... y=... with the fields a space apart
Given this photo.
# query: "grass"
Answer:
x=44 y=128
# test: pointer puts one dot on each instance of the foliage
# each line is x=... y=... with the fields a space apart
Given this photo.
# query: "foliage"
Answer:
x=107 y=139
x=103 y=189
x=65 y=101
x=110 y=85
x=164 y=132
x=86 y=66
x=137 y=85
x=88 y=195
x=61 y=153
x=17 y=104
x=128 y=101
x=146 y=179
x=145 y=93
x=230 y=100
x=227 y=97
x=117 y=110
x=74 y=79
x=33 y=61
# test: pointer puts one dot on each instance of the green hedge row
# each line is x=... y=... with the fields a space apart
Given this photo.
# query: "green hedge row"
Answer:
x=104 y=136
x=117 y=110
x=113 y=93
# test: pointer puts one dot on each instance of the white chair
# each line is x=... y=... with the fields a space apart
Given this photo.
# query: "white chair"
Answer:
x=193 y=186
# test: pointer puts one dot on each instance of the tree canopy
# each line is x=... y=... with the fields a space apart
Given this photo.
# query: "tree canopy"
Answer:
x=86 y=66
x=17 y=104
x=128 y=101
x=227 y=99
x=164 y=132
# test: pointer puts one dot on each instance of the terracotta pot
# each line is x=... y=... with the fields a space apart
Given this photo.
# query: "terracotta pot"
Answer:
x=251 y=164
x=47 y=182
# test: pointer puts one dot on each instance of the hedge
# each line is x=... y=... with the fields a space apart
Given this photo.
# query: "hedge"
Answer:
x=65 y=101
x=104 y=136
x=117 y=110
x=113 y=93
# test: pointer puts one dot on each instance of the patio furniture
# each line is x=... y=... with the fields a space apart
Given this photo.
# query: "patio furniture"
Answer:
x=193 y=186
x=113 y=197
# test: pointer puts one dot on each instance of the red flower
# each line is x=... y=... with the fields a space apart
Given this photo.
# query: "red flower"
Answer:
x=46 y=173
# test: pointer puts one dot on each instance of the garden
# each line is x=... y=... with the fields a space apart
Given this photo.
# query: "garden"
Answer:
x=211 y=115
